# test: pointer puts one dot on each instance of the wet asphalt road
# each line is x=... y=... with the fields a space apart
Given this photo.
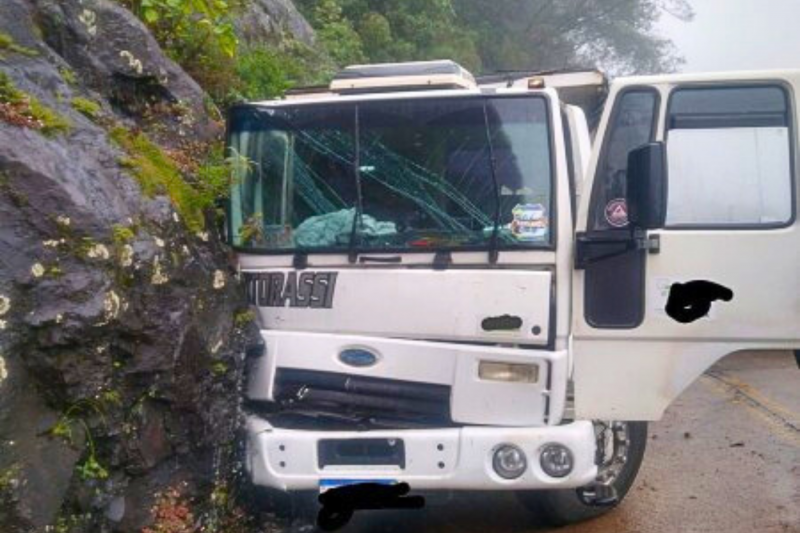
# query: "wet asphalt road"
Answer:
x=725 y=458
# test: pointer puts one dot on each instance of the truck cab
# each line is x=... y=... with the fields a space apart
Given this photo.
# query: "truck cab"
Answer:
x=456 y=293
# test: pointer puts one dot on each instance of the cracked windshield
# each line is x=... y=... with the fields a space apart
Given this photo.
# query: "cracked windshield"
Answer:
x=393 y=175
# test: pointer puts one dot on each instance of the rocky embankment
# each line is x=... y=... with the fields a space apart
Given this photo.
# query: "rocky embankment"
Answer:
x=121 y=320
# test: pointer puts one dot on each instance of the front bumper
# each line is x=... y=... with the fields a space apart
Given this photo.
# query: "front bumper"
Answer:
x=435 y=459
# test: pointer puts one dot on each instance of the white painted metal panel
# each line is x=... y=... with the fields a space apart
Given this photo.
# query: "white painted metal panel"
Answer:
x=426 y=304
x=473 y=401
x=287 y=459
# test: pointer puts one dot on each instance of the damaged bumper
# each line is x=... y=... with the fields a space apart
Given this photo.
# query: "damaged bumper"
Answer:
x=432 y=459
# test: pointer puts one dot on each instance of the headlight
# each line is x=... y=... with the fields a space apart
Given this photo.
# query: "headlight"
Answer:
x=509 y=461
x=510 y=372
x=556 y=460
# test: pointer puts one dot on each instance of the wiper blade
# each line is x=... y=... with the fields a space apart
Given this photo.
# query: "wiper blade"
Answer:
x=352 y=252
x=493 y=246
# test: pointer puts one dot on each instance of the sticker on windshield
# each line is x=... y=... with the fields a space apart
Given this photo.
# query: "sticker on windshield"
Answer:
x=529 y=222
x=617 y=213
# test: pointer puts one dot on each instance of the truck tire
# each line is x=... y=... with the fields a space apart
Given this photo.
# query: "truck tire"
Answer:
x=621 y=447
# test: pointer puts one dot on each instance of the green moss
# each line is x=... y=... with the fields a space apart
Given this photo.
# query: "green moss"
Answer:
x=63 y=429
x=219 y=368
x=7 y=44
x=8 y=475
x=121 y=235
x=158 y=174
x=214 y=174
x=242 y=318
x=87 y=108
x=25 y=110
x=111 y=397
x=8 y=93
x=69 y=75
x=53 y=271
x=52 y=122
x=91 y=468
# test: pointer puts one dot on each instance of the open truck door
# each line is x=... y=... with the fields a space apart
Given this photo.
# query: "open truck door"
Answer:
x=688 y=243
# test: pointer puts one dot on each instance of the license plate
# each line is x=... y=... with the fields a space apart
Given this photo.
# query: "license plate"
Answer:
x=327 y=484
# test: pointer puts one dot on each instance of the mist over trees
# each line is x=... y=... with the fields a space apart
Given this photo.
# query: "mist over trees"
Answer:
x=493 y=35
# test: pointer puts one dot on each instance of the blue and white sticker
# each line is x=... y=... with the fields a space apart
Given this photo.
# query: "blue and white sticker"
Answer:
x=529 y=222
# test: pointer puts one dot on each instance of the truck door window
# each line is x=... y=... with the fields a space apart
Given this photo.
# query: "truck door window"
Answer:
x=632 y=125
x=729 y=157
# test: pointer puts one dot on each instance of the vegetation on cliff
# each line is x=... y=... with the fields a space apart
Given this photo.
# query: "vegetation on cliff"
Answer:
x=485 y=36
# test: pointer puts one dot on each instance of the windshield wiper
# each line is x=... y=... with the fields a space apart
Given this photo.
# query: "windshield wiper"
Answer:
x=493 y=248
x=352 y=251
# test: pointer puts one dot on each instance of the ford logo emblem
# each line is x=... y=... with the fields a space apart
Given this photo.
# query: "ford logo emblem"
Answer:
x=358 y=357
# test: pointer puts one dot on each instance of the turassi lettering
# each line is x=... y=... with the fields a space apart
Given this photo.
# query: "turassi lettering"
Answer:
x=301 y=290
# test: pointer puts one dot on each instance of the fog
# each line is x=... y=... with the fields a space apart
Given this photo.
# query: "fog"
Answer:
x=737 y=34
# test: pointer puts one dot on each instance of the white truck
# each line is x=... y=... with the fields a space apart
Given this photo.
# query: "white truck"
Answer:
x=456 y=293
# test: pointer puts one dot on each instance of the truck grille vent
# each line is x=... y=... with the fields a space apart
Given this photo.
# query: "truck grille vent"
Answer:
x=362 y=400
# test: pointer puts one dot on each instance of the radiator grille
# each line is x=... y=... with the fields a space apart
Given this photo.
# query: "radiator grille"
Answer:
x=372 y=401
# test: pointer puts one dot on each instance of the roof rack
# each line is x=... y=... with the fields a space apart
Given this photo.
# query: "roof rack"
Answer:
x=411 y=76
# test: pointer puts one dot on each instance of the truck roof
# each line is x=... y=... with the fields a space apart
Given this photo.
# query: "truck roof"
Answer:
x=586 y=89
x=743 y=75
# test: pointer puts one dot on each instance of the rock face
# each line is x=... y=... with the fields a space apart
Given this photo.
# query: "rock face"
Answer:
x=274 y=21
x=119 y=347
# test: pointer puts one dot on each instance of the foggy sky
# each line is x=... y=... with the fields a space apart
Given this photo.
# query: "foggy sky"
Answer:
x=737 y=35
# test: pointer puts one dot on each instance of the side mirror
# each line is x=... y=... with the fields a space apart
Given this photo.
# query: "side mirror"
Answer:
x=647 y=186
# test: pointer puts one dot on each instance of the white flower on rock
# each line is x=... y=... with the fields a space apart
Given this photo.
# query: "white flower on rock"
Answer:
x=203 y=236
x=219 y=279
x=37 y=270
x=62 y=220
x=111 y=305
x=158 y=277
x=5 y=304
x=126 y=256
x=3 y=324
x=89 y=20
x=216 y=347
x=3 y=370
x=133 y=63
x=98 y=251
x=52 y=243
x=159 y=242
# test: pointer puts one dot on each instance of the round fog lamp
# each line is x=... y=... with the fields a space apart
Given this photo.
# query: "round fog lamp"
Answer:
x=509 y=461
x=556 y=460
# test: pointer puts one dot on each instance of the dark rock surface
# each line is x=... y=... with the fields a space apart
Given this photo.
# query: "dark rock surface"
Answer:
x=119 y=356
x=274 y=21
x=113 y=53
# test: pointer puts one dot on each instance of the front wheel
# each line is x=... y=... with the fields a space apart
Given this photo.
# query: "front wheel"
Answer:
x=620 y=450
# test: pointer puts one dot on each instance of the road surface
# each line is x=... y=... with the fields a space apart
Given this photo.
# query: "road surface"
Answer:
x=725 y=458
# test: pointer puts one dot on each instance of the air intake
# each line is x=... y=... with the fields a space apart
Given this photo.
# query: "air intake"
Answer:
x=413 y=76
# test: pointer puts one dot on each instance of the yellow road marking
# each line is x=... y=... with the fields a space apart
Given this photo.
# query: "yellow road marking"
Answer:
x=773 y=414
